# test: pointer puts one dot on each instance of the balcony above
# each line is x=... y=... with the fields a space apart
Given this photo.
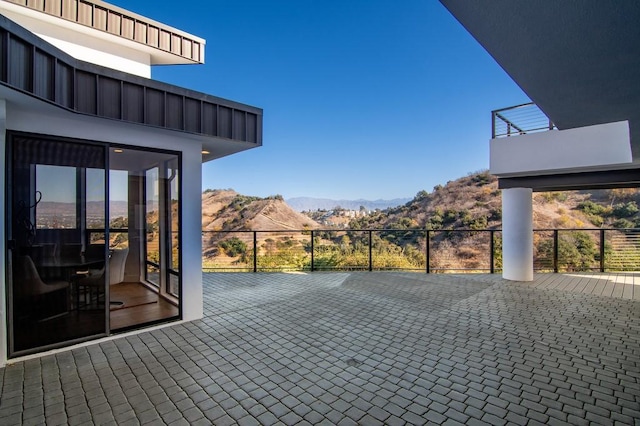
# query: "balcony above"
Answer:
x=57 y=19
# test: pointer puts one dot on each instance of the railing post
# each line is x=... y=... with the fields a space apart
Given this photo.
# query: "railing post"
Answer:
x=370 y=251
x=491 y=252
x=255 y=251
x=312 y=251
x=428 y=251
x=555 y=251
x=602 y=265
x=493 y=129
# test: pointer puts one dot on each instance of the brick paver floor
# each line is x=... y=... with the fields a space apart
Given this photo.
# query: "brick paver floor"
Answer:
x=352 y=348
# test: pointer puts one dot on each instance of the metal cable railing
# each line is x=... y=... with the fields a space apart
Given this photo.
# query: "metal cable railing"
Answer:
x=519 y=120
x=430 y=251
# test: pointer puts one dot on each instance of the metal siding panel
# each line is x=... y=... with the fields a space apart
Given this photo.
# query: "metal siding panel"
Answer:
x=141 y=32
x=224 y=122
x=128 y=25
x=100 y=18
x=20 y=64
x=110 y=99
x=175 y=111
x=85 y=92
x=44 y=75
x=64 y=85
x=192 y=115
x=210 y=119
x=176 y=44
x=133 y=103
x=36 y=4
x=196 y=52
x=187 y=49
x=152 y=36
x=114 y=22
x=85 y=13
x=3 y=56
x=252 y=128
x=239 y=125
x=53 y=8
x=154 y=107
x=69 y=9
x=165 y=40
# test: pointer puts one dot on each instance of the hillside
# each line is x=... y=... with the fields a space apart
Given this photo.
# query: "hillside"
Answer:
x=469 y=204
x=474 y=202
x=227 y=213
x=226 y=210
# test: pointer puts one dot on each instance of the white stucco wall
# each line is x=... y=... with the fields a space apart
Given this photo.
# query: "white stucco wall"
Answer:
x=602 y=146
x=54 y=121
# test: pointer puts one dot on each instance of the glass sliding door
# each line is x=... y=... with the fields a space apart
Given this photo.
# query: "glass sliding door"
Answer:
x=148 y=291
x=93 y=240
x=56 y=276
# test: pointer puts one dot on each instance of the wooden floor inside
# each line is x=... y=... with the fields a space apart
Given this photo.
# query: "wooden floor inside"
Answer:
x=139 y=306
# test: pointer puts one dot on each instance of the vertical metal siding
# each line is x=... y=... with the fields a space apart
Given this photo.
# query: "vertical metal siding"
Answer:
x=239 y=125
x=64 y=85
x=252 y=129
x=44 y=83
x=128 y=26
x=133 y=103
x=110 y=97
x=209 y=119
x=86 y=96
x=154 y=113
x=69 y=10
x=100 y=18
x=85 y=13
x=192 y=115
x=224 y=122
x=21 y=58
x=174 y=112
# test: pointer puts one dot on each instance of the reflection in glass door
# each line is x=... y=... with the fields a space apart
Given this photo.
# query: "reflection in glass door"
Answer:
x=56 y=286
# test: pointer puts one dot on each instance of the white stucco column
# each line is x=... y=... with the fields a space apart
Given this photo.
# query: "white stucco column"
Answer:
x=517 y=234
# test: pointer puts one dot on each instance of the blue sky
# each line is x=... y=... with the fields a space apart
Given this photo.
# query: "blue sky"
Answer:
x=362 y=98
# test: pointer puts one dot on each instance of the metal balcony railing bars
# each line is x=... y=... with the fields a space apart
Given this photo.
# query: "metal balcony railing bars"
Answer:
x=519 y=120
x=421 y=250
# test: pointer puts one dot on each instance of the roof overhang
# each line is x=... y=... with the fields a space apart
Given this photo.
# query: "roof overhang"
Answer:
x=579 y=61
x=35 y=76
x=100 y=20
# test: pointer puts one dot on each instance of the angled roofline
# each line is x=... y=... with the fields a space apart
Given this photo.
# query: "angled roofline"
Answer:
x=107 y=18
x=32 y=66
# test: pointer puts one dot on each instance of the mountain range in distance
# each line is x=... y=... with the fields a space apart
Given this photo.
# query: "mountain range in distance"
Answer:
x=311 y=204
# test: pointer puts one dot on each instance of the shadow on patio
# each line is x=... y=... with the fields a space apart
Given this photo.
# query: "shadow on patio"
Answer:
x=358 y=348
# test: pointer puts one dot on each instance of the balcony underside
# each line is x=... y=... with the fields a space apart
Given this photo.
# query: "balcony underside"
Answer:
x=578 y=61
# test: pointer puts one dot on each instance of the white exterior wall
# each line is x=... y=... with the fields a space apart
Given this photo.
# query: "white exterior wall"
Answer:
x=53 y=121
x=567 y=151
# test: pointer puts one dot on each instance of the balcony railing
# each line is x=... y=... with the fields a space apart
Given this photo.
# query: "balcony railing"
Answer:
x=519 y=120
x=429 y=251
